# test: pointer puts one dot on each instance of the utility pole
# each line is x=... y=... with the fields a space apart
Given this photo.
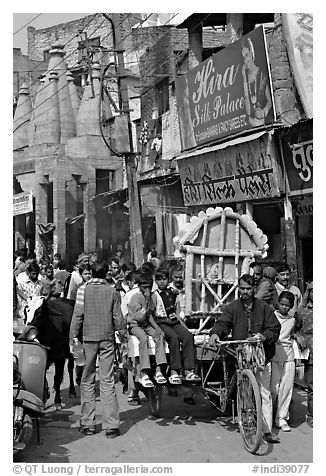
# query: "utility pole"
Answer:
x=136 y=240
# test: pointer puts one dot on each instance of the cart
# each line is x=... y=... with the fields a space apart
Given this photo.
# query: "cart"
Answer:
x=218 y=246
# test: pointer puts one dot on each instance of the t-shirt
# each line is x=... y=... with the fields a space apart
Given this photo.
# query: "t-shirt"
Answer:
x=284 y=346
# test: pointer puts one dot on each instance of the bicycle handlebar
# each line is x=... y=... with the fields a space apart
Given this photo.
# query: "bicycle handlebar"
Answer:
x=227 y=342
x=244 y=341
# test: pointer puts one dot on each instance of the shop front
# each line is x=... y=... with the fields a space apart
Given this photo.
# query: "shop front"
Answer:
x=297 y=149
x=246 y=175
x=24 y=222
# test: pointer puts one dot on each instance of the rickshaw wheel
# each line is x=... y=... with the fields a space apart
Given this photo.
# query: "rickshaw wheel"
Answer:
x=155 y=399
x=249 y=410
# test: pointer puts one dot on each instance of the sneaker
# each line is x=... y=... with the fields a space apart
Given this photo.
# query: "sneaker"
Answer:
x=87 y=431
x=282 y=425
x=285 y=427
x=112 y=433
x=271 y=438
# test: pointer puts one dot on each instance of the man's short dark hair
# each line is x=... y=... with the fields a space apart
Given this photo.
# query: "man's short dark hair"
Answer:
x=148 y=267
x=162 y=274
x=33 y=267
x=178 y=267
x=283 y=267
x=132 y=275
x=287 y=295
x=99 y=269
x=247 y=278
x=144 y=277
x=61 y=265
x=128 y=267
x=255 y=264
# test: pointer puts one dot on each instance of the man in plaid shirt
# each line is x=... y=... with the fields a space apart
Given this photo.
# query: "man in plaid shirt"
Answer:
x=97 y=312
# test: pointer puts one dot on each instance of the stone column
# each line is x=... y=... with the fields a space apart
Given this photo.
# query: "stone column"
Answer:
x=75 y=101
x=59 y=208
x=67 y=118
x=90 y=217
x=41 y=213
x=21 y=119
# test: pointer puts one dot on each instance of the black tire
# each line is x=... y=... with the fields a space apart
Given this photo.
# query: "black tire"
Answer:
x=26 y=431
x=154 y=396
x=249 y=410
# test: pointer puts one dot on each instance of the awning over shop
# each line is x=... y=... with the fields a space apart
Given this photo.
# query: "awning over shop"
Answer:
x=71 y=221
x=223 y=145
x=106 y=200
x=247 y=170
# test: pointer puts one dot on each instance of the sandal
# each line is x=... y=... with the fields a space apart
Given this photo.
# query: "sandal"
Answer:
x=87 y=431
x=160 y=379
x=175 y=380
x=146 y=382
x=192 y=377
x=134 y=401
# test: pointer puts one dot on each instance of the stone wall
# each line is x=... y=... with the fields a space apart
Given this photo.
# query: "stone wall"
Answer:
x=287 y=102
x=67 y=34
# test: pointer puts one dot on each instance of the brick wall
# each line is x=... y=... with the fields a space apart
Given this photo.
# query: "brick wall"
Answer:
x=287 y=102
x=65 y=33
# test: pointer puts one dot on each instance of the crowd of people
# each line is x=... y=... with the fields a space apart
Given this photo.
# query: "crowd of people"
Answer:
x=114 y=298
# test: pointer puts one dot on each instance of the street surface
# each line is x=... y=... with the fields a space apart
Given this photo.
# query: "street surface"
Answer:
x=181 y=434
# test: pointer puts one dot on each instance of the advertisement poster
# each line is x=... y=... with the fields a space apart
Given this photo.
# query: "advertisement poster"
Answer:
x=298 y=32
x=228 y=93
x=242 y=172
x=298 y=155
x=23 y=203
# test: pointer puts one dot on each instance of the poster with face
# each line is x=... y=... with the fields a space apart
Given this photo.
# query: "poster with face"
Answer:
x=228 y=93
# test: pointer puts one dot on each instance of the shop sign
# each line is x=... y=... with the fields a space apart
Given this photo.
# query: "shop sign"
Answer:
x=228 y=93
x=24 y=167
x=302 y=205
x=298 y=156
x=241 y=172
x=171 y=145
x=298 y=32
x=23 y=203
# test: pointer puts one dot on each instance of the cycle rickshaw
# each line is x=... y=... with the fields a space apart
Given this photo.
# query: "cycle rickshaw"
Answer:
x=218 y=246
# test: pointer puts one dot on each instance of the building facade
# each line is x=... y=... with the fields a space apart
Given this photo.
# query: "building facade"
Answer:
x=192 y=153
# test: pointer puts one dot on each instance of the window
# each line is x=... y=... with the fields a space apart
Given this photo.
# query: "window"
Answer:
x=104 y=178
x=46 y=55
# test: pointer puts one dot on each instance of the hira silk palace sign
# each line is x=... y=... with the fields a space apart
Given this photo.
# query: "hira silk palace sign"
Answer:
x=228 y=93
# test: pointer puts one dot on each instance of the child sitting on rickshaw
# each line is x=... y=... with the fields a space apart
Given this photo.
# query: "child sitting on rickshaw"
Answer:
x=175 y=331
x=141 y=309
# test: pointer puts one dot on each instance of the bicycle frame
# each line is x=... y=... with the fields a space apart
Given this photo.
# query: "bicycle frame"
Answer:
x=224 y=389
x=249 y=357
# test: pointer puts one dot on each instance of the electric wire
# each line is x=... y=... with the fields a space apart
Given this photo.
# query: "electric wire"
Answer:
x=143 y=21
x=28 y=23
x=128 y=15
x=47 y=85
x=167 y=56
